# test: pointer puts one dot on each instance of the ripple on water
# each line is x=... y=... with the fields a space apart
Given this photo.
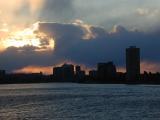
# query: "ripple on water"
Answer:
x=79 y=102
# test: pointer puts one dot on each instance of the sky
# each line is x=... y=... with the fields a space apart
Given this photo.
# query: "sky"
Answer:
x=36 y=35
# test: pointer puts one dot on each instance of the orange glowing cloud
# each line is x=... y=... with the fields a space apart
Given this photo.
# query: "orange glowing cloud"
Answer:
x=35 y=69
x=47 y=70
x=150 y=67
x=121 y=69
x=145 y=66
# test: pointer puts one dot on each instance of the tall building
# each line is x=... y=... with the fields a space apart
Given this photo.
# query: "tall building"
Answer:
x=132 y=63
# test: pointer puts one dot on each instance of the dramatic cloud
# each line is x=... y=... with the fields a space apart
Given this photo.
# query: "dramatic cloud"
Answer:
x=83 y=44
x=27 y=37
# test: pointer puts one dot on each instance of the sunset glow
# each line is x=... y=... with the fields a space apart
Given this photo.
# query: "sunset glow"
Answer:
x=35 y=69
x=28 y=37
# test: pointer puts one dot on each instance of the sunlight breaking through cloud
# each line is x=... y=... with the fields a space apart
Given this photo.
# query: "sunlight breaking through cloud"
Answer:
x=28 y=37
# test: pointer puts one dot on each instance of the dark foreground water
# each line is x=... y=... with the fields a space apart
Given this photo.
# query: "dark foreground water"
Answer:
x=79 y=102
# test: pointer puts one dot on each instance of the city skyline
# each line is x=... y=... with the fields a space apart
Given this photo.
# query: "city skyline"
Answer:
x=104 y=73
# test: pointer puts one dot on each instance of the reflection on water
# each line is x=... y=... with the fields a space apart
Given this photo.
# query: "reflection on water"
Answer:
x=79 y=102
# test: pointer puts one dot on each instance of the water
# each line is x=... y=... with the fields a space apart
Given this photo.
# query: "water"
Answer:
x=79 y=102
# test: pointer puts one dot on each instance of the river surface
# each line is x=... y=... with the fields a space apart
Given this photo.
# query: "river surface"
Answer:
x=79 y=102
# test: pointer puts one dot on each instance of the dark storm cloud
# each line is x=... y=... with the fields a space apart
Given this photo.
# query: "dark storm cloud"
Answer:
x=57 y=10
x=70 y=45
x=14 y=58
x=104 y=47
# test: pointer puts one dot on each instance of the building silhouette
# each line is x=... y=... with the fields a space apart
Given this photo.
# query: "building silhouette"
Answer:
x=65 y=73
x=132 y=64
x=2 y=72
x=79 y=74
x=106 y=72
x=93 y=73
x=78 y=69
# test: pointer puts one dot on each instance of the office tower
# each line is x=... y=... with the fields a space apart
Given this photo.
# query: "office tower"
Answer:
x=132 y=63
